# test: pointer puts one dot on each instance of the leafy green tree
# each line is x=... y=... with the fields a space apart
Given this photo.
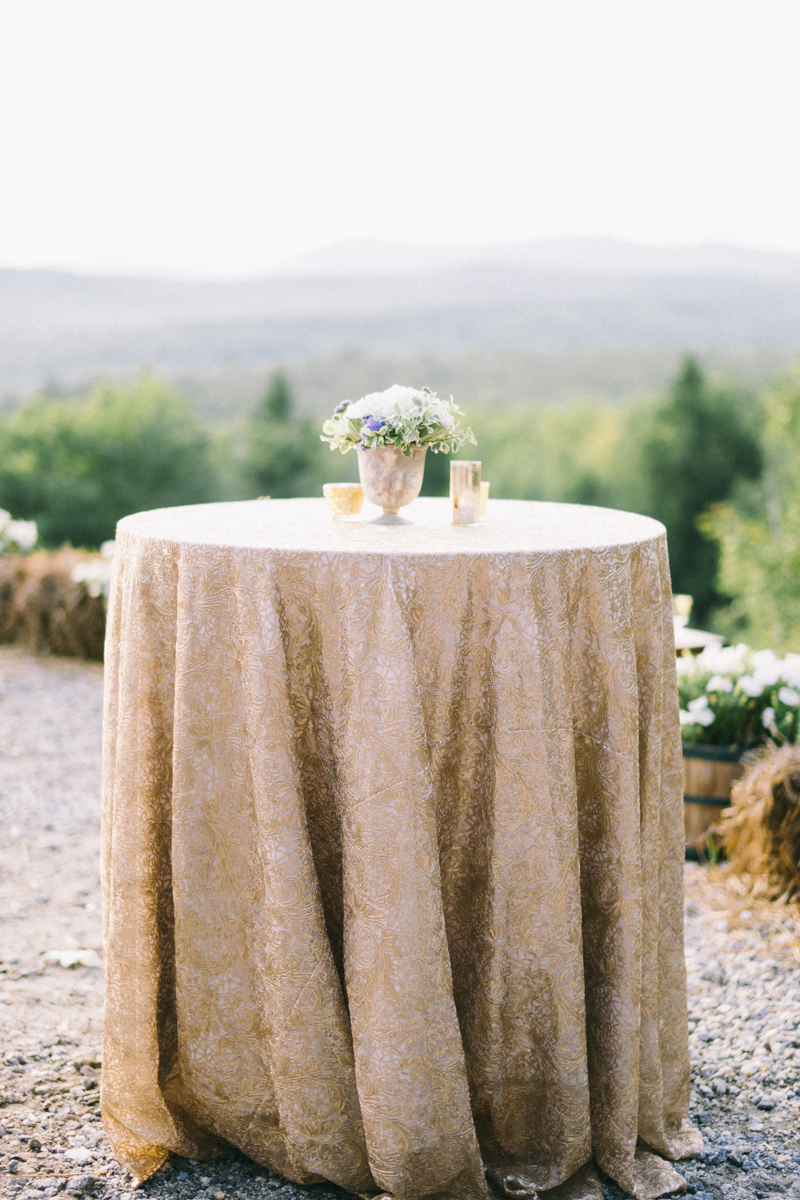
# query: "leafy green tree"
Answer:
x=76 y=467
x=758 y=534
x=702 y=443
x=576 y=455
x=280 y=454
x=277 y=402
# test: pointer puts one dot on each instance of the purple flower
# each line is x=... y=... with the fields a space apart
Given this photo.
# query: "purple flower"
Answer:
x=372 y=425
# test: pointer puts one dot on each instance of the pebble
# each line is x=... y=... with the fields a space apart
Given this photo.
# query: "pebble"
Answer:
x=744 y=996
x=80 y=1184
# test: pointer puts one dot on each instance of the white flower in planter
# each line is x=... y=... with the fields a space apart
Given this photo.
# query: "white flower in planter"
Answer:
x=790 y=671
x=16 y=536
x=700 y=711
x=22 y=533
x=750 y=685
x=745 y=691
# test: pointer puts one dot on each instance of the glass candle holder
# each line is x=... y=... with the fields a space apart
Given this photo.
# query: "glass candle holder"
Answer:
x=681 y=609
x=484 y=497
x=344 y=499
x=465 y=492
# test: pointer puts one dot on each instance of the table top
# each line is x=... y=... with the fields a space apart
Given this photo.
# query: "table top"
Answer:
x=306 y=525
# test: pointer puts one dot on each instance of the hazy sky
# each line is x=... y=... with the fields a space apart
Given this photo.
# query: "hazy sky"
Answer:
x=222 y=136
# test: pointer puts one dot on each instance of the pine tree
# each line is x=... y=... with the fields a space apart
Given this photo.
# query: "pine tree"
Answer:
x=277 y=402
x=704 y=441
x=280 y=451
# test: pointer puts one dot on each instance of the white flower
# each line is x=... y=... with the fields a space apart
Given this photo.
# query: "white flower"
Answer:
x=699 y=712
x=719 y=683
x=789 y=697
x=750 y=686
x=686 y=718
x=94 y=574
x=22 y=533
x=724 y=660
x=790 y=670
x=768 y=717
x=764 y=659
x=766 y=668
x=5 y=517
x=716 y=660
x=384 y=404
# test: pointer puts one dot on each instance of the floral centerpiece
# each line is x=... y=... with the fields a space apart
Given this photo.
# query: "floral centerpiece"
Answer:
x=401 y=416
x=392 y=431
x=736 y=697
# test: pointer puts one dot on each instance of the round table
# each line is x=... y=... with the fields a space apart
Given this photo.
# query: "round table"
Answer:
x=392 y=848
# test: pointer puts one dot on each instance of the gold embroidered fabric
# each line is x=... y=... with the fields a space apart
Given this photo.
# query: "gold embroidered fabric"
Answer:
x=392 y=849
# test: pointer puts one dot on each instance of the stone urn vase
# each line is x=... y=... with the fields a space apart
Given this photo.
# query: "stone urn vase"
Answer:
x=391 y=479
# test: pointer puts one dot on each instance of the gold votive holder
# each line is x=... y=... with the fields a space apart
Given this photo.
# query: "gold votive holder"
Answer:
x=484 y=498
x=465 y=492
x=344 y=499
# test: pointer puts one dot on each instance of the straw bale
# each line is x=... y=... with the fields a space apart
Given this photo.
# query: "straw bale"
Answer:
x=41 y=606
x=761 y=829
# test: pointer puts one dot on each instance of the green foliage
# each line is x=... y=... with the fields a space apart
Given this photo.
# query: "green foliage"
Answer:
x=576 y=455
x=758 y=534
x=275 y=455
x=436 y=480
x=76 y=467
x=702 y=443
x=277 y=402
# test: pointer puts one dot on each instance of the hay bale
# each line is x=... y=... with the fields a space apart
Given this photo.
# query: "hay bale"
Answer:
x=43 y=607
x=761 y=829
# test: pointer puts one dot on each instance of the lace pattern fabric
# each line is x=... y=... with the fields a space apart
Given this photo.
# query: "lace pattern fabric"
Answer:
x=392 y=849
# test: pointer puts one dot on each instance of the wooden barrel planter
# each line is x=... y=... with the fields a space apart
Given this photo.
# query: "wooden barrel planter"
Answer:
x=709 y=772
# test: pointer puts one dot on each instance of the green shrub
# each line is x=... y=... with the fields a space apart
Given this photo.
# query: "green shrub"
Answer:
x=274 y=454
x=76 y=467
x=758 y=534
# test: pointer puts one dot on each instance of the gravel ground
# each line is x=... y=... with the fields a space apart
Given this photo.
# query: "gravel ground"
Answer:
x=743 y=959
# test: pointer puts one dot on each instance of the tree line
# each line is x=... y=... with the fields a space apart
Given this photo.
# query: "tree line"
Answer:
x=716 y=463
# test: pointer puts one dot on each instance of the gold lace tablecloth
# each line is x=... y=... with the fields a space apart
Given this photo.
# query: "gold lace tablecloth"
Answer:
x=392 y=848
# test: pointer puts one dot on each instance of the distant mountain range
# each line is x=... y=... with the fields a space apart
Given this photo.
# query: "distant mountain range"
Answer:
x=383 y=299
x=592 y=256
